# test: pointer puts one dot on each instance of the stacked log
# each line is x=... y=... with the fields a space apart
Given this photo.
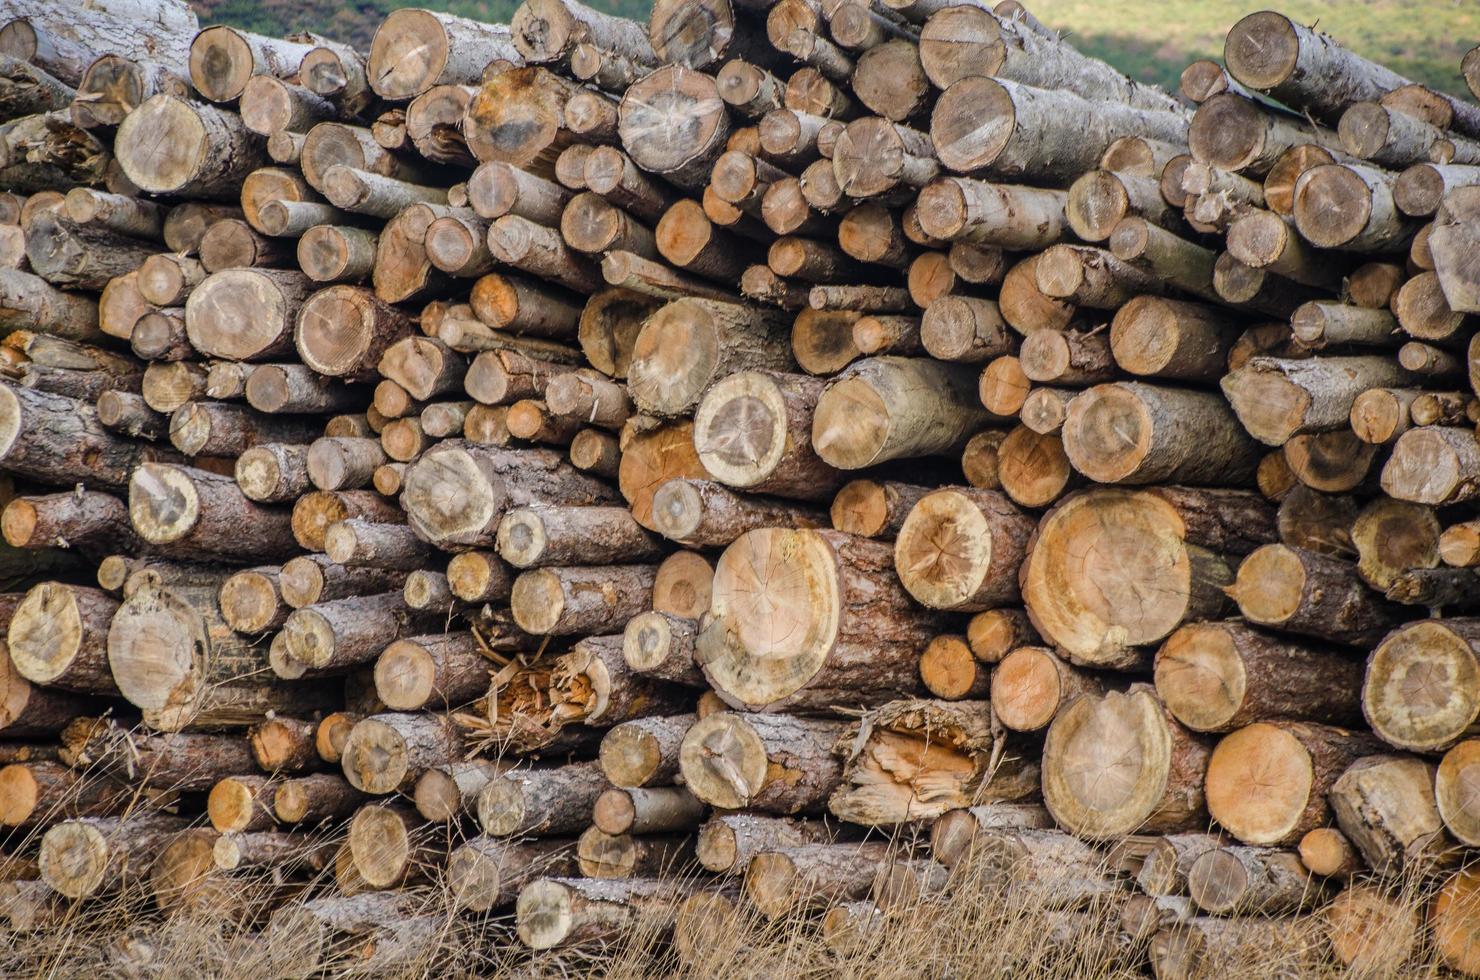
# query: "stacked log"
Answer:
x=618 y=474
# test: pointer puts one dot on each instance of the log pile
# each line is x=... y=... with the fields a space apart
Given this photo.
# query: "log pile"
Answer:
x=779 y=457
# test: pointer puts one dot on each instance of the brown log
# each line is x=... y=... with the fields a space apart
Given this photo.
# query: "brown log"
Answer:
x=644 y=752
x=813 y=875
x=1300 y=591
x=1251 y=880
x=562 y=601
x=1385 y=805
x=958 y=548
x=329 y=636
x=1276 y=399
x=386 y=752
x=485 y=873
x=701 y=513
x=690 y=342
x=821 y=666
x=771 y=763
x=1302 y=67
x=752 y=431
x=43 y=792
x=367 y=543
x=652 y=458
x=1046 y=136
x=483 y=480
x=215 y=429
x=1031 y=685
x=89 y=856
x=283 y=745
x=662 y=644
x=1326 y=851
x=1267 y=782
x=250 y=601
x=864 y=417
x=417 y=672
x=540 y=801
x=1451 y=791
x=1089 y=627
x=414 y=50
x=1162 y=792
x=211 y=150
x=1397 y=710
x=647 y=111
x=1131 y=432
x=534 y=537
x=192 y=512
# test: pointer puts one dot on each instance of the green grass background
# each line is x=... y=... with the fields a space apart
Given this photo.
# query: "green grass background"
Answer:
x=1151 y=40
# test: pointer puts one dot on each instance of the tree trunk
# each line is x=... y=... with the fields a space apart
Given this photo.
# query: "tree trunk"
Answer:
x=770 y=763
x=331 y=253
x=190 y=512
x=856 y=636
x=534 y=537
x=476 y=576
x=1074 y=605
x=1397 y=710
x=444 y=670
x=874 y=508
x=241 y=804
x=660 y=810
x=1222 y=676
x=1132 y=432
x=1005 y=129
x=690 y=343
x=87 y=520
x=644 y=752
x=893 y=408
x=1251 y=881
x=486 y=873
x=329 y=637
x=1452 y=795
x=700 y=513
x=1372 y=930
x=1433 y=465
x=1160 y=781
x=1267 y=782
x=38 y=793
x=555 y=912
x=1276 y=399
x=1299 y=591
x=812 y=876
x=387 y=752
x=66 y=253
x=93 y=856
x=958 y=549
x=250 y=602
x=543 y=801
x=58 y=637
x=1302 y=67
x=580 y=600
x=964 y=329
x=1031 y=686
x=1327 y=852
x=455 y=495
x=1165 y=869
x=1386 y=807
x=211 y=151
x=651 y=107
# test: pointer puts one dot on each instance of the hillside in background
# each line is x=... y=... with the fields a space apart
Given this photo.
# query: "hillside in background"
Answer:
x=1152 y=40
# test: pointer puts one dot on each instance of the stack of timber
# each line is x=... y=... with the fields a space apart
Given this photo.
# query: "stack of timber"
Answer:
x=771 y=458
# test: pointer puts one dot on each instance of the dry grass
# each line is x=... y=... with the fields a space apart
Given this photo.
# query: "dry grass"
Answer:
x=976 y=929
